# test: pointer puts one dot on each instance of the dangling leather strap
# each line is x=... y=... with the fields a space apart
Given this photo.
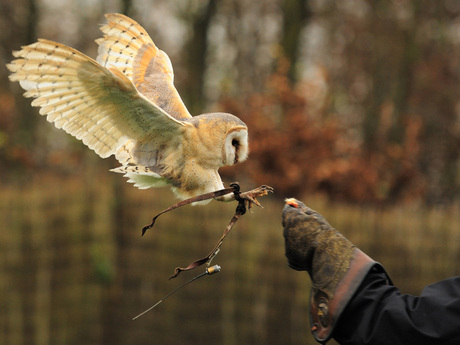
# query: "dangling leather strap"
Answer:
x=201 y=197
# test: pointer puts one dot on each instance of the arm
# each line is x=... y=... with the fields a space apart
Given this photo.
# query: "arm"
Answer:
x=352 y=297
x=379 y=314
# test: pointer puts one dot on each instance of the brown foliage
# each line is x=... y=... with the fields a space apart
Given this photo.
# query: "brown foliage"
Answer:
x=298 y=154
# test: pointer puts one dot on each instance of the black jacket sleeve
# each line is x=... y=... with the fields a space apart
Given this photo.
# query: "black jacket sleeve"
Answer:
x=379 y=314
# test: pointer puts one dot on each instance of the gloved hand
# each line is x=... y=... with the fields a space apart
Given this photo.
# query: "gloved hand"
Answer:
x=314 y=246
x=335 y=265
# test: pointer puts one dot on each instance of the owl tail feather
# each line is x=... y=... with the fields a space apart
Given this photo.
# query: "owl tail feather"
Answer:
x=142 y=177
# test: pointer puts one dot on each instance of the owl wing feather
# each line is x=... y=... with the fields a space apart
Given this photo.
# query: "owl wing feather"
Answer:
x=97 y=105
x=127 y=46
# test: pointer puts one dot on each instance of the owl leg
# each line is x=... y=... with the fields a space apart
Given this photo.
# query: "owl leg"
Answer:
x=197 y=198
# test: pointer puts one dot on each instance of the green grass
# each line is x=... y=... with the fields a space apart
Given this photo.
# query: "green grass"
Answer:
x=75 y=270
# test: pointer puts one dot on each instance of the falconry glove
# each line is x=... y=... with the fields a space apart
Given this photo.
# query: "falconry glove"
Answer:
x=336 y=267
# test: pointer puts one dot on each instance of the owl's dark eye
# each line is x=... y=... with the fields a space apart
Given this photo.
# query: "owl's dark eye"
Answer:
x=236 y=145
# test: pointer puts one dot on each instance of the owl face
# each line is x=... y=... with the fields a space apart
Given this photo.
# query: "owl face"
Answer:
x=222 y=138
x=235 y=147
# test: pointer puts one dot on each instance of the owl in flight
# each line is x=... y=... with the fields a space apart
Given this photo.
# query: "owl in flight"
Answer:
x=125 y=104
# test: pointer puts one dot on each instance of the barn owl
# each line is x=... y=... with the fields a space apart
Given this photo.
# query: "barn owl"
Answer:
x=125 y=104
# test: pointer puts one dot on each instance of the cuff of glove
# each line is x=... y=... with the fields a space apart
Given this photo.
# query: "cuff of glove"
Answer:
x=324 y=311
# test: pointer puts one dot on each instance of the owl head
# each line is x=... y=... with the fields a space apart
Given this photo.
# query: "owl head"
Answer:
x=226 y=136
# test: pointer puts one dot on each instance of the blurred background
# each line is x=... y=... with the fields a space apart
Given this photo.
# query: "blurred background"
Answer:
x=352 y=106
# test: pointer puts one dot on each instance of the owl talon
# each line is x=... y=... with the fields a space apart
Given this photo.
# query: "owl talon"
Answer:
x=252 y=195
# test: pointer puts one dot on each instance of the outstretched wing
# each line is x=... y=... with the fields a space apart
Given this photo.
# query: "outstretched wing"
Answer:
x=127 y=46
x=97 y=105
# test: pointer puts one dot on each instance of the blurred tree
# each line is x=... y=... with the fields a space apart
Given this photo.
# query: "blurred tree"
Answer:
x=295 y=16
x=18 y=26
x=126 y=7
x=19 y=19
x=440 y=144
x=245 y=46
x=196 y=52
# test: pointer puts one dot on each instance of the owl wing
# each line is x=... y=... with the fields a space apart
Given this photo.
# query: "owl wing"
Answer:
x=127 y=46
x=95 y=104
